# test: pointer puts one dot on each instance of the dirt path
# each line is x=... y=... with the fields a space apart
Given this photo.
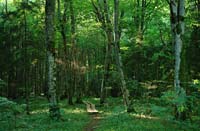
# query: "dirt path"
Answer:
x=92 y=125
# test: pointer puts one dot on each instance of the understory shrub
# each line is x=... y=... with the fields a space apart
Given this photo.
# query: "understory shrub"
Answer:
x=9 y=111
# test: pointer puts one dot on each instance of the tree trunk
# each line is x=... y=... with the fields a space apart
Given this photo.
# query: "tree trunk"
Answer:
x=25 y=61
x=50 y=41
x=73 y=53
x=108 y=30
x=106 y=73
x=6 y=6
x=177 y=25
x=124 y=90
x=177 y=11
x=139 y=20
x=62 y=24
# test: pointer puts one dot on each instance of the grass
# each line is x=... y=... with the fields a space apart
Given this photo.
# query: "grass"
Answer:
x=150 y=116
x=73 y=118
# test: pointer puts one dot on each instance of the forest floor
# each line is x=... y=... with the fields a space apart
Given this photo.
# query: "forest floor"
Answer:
x=95 y=116
x=93 y=124
x=151 y=115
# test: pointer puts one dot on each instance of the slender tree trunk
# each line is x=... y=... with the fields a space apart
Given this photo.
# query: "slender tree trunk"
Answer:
x=73 y=41
x=62 y=24
x=177 y=25
x=177 y=11
x=106 y=73
x=124 y=90
x=104 y=18
x=73 y=24
x=108 y=30
x=137 y=17
x=140 y=20
x=70 y=87
x=63 y=28
x=6 y=6
x=63 y=32
x=79 y=86
x=25 y=61
x=50 y=41
x=80 y=79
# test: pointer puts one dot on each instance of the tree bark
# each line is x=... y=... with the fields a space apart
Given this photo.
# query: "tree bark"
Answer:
x=177 y=26
x=104 y=18
x=62 y=24
x=108 y=30
x=25 y=60
x=124 y=90
x=73 y=53
x=50 y=41
x=177 y=12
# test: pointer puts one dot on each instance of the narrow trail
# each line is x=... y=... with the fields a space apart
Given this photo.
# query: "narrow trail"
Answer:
x=95 y=117
x=93 y=124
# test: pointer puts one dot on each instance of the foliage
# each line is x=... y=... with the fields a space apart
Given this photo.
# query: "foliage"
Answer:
x=10 y=107
x=147 y=52
x=73 y=118
x=175 y=99
x=136 y=90
x=188 y=104
x=116 y=119
x=9 y=111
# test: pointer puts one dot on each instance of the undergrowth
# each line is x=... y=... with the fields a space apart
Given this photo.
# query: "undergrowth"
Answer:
x=152 y=115
x=74 y=118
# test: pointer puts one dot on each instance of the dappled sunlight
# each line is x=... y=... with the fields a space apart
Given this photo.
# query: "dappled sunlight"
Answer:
x=144 y=116
x=149 y=85
x=78 y=110
x=93 y=99
x=103 y=65
x=74 y=111
x=96 y=99
x=40 y=111
x=66 y=110
x=108 y=113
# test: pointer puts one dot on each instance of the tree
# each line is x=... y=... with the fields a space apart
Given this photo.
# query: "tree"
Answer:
x=25 y=2
x=73 y=53
x=124 y=90
x=101 y=10
x=177 y=14
x=50 y=41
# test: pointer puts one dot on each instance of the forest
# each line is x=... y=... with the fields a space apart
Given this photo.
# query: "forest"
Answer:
x=99 y=65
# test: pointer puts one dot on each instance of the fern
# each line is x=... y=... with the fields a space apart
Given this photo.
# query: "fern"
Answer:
x=9 y=109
